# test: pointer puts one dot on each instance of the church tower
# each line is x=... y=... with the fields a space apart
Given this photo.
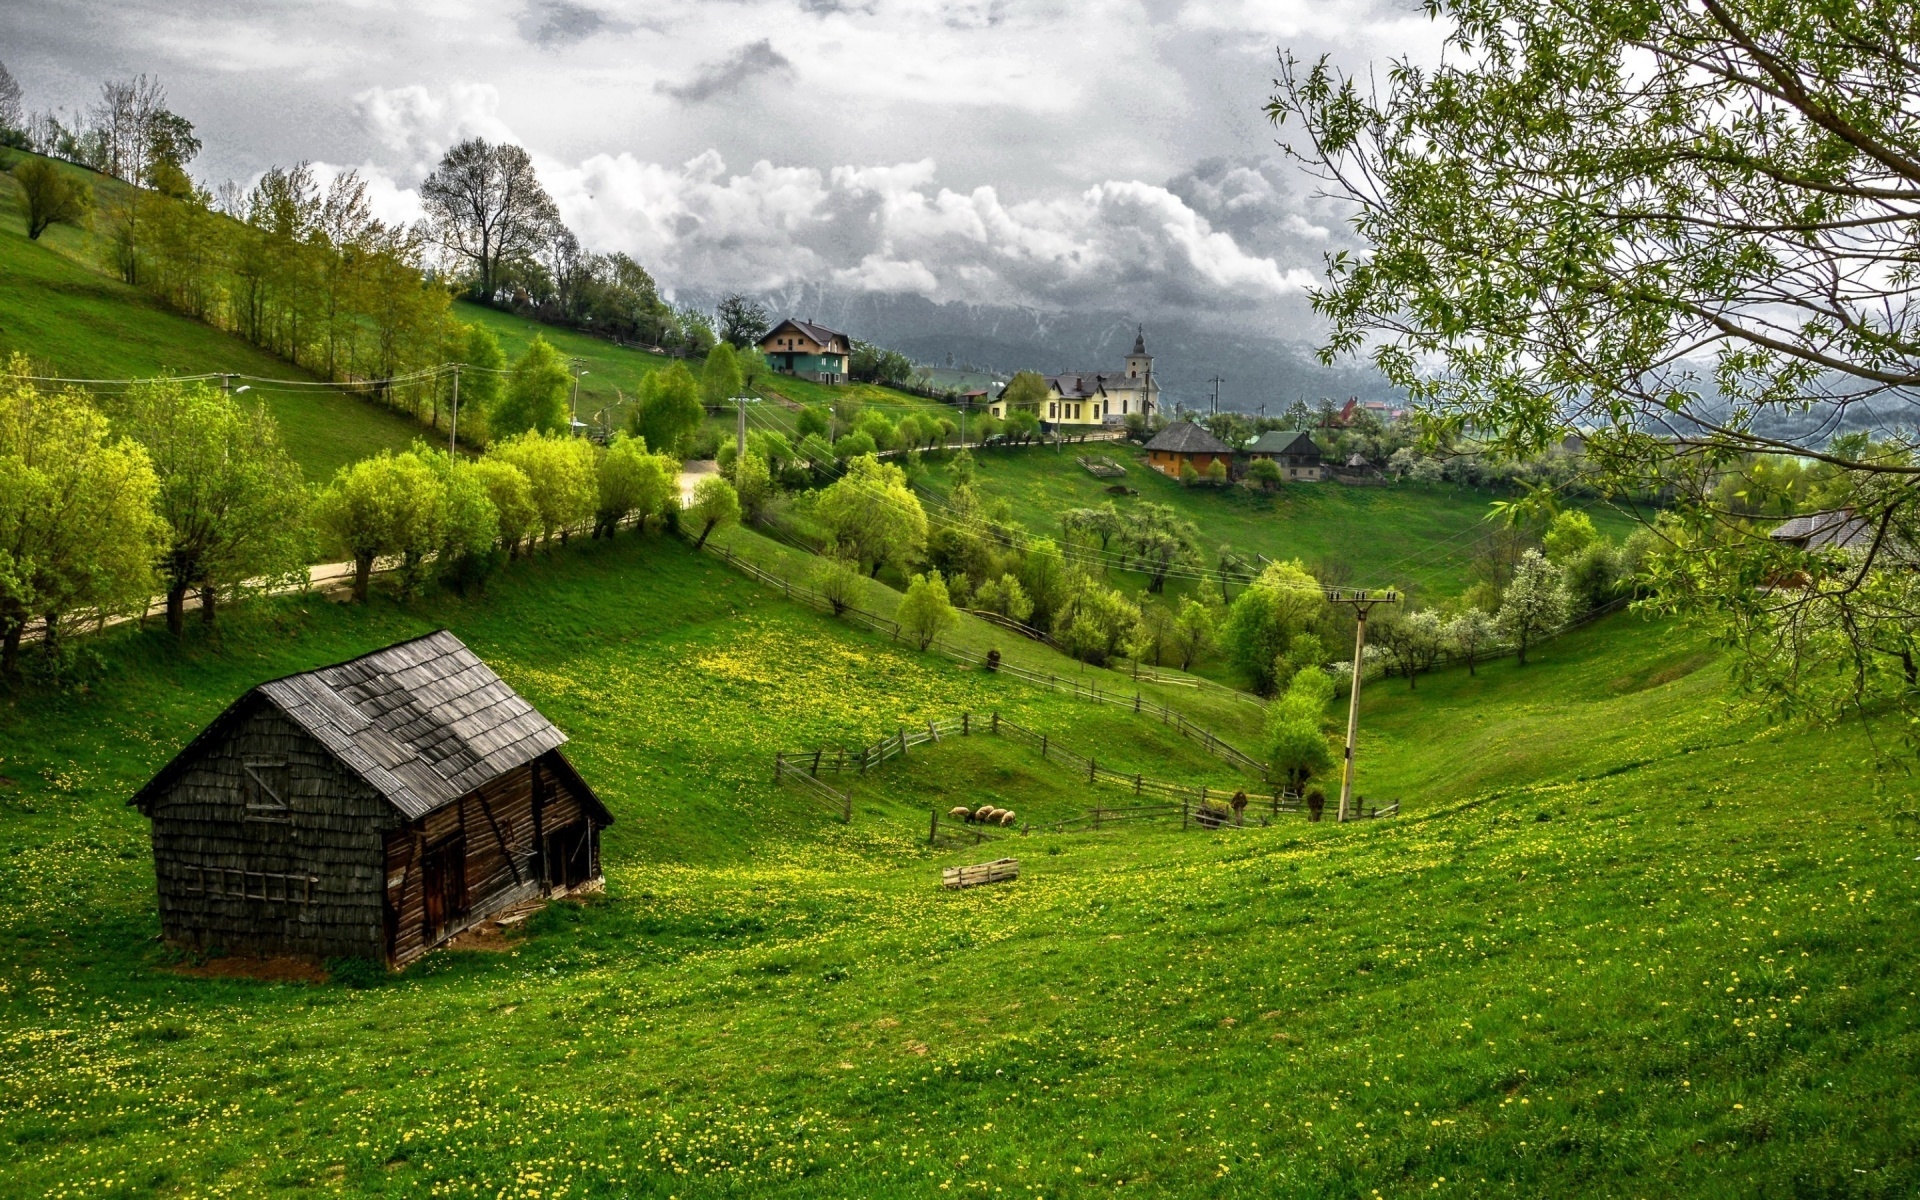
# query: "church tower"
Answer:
x=1139 y=363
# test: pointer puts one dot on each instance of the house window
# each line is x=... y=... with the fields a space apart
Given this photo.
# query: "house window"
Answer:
x=267 y=786
x=1053 y=410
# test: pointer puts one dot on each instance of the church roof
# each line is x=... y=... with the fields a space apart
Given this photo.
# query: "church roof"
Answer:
x=1140 y=339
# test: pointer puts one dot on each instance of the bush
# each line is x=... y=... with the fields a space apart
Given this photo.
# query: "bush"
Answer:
x=926 y=611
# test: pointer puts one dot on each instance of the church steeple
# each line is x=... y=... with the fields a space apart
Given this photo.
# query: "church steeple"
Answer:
x=1139 y=362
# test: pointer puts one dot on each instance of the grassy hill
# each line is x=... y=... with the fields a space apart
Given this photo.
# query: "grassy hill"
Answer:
x=1417 y=536
x=1609 y=950
x=60 y=309
x=614 y=372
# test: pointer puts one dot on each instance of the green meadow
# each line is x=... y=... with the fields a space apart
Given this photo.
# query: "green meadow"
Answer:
x=1626 y=939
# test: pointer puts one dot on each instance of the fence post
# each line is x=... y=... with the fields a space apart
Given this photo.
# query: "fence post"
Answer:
x=964 y=731
x=933 y=826
x=903 y=741
x=816 y=764
x=779 y=760
x=1136 y=785
x=932 y=733
x=996 y=722
x=843 y=758
x=1090 y=769
x=1043 y=747
x=1136 y=702
x=1183 y=813
x=1096 y=816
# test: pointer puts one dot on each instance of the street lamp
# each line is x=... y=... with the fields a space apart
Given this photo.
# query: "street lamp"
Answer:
x=573 y=405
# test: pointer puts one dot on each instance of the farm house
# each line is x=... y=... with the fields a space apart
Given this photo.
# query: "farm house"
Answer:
x=372 y=809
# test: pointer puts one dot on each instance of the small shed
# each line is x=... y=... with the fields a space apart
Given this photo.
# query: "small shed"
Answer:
x=1183 y=443
x=1293 y=451
x=370 y=809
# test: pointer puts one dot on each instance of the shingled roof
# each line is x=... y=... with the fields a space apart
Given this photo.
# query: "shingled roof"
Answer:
x=1285 y=441
x=820 y=334
x=1835 y=528
x=423 y=722
x=1184 y=437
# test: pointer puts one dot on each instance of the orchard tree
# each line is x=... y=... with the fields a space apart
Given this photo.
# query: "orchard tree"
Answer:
x=1471 y=633
x=512 y=496
x=1193 y=631
x=1687 y=230
x=233 y=500
x=77 y=527
x=469 y=545
x=377 y=508
x=715 y=506
x=926 y=611
x=536 y=394
x=1413 y=640
x=1535 y=605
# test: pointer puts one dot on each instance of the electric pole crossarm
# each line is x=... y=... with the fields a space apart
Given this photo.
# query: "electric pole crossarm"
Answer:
x=1362 y=602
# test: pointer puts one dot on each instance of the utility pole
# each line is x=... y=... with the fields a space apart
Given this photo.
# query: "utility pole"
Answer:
x=453 y=421
x=740 y=436
x=573 y=405
x=1216 y=381
x=1362 y=602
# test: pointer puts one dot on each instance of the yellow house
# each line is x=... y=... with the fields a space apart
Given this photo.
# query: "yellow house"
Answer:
x=1100 y=399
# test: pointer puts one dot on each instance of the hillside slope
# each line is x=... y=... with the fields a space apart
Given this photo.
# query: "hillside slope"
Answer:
x=1680 y=964
x=65 y=314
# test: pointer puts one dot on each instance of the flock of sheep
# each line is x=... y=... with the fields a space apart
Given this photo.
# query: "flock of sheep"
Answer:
x=986 y=814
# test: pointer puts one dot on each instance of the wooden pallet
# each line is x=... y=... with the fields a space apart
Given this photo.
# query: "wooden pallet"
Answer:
x=975 y=874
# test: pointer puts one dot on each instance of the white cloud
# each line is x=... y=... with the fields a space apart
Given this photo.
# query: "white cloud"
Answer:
x=419 y=123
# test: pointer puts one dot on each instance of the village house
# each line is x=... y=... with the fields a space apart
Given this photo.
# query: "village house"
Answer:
x=1184 y=443
x=1292 y=450
x=372 y=809
x=1087 y=398
x=808 y=351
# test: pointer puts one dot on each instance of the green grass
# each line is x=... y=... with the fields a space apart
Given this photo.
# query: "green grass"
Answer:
x=58 y=307
x=1419 y=537
x=1626 y=941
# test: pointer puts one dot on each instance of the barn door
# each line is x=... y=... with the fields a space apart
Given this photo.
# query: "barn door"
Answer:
x=569 y=856
x=444 y=874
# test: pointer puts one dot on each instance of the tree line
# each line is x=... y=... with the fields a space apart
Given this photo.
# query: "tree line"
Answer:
x=186 y=490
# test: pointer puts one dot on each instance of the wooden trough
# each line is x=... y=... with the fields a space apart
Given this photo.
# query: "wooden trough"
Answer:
x=974 y=874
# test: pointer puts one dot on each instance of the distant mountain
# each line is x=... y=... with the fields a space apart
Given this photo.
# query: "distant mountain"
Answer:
x=1258 y=367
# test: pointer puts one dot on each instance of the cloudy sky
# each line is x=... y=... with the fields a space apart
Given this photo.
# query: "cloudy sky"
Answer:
x=1102 y=156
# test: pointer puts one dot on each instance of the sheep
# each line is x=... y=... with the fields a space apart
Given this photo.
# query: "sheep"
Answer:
x=1006 y=816
x=983 y=812
x=960 y=812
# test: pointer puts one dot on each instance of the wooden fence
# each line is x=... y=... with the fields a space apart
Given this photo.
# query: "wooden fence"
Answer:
x=812 y=785
x=1201 y=804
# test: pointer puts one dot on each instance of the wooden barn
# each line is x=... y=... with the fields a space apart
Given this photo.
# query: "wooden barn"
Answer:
x=371 y=809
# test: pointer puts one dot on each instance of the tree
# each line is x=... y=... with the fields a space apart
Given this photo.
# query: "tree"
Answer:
x=233 y=500
x=480 y=386
x=715 y=504
x=742 y=322
x=1567 y=535
x=838 y=581
x=1095 y=621
x=13 y=113
x=925 y=611
x=562 y=479
x=1025 y=392
x=1413 y=640
x=1668 y=225
x=754 y=484
x=378 y=507
x=720 y=379
x=1193 y=631
x=77 y=528
x=812 y=422
x=1159 y=541
x=1535 y=605
x=668 y=412
x=632 y=483
x=873 y=516
x=1283 y=604
x=469 y=546
x=124 y=117
x=1470 y=633
x=1266 y=473
x=1006 y=597
x=52 y=198
x=536 y=394
x=512 y=496
x=485 y=205
x=1296 y=747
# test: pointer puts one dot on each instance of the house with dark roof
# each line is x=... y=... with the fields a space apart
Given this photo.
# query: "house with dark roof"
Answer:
x=1836 y=529
x=1292 y=450
x=1184 y=443
x=808 y=351
x=371 y=809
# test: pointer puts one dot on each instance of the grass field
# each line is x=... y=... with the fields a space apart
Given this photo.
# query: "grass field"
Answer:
x=1418 y=537
x=60 y=309
x=1625 y=941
